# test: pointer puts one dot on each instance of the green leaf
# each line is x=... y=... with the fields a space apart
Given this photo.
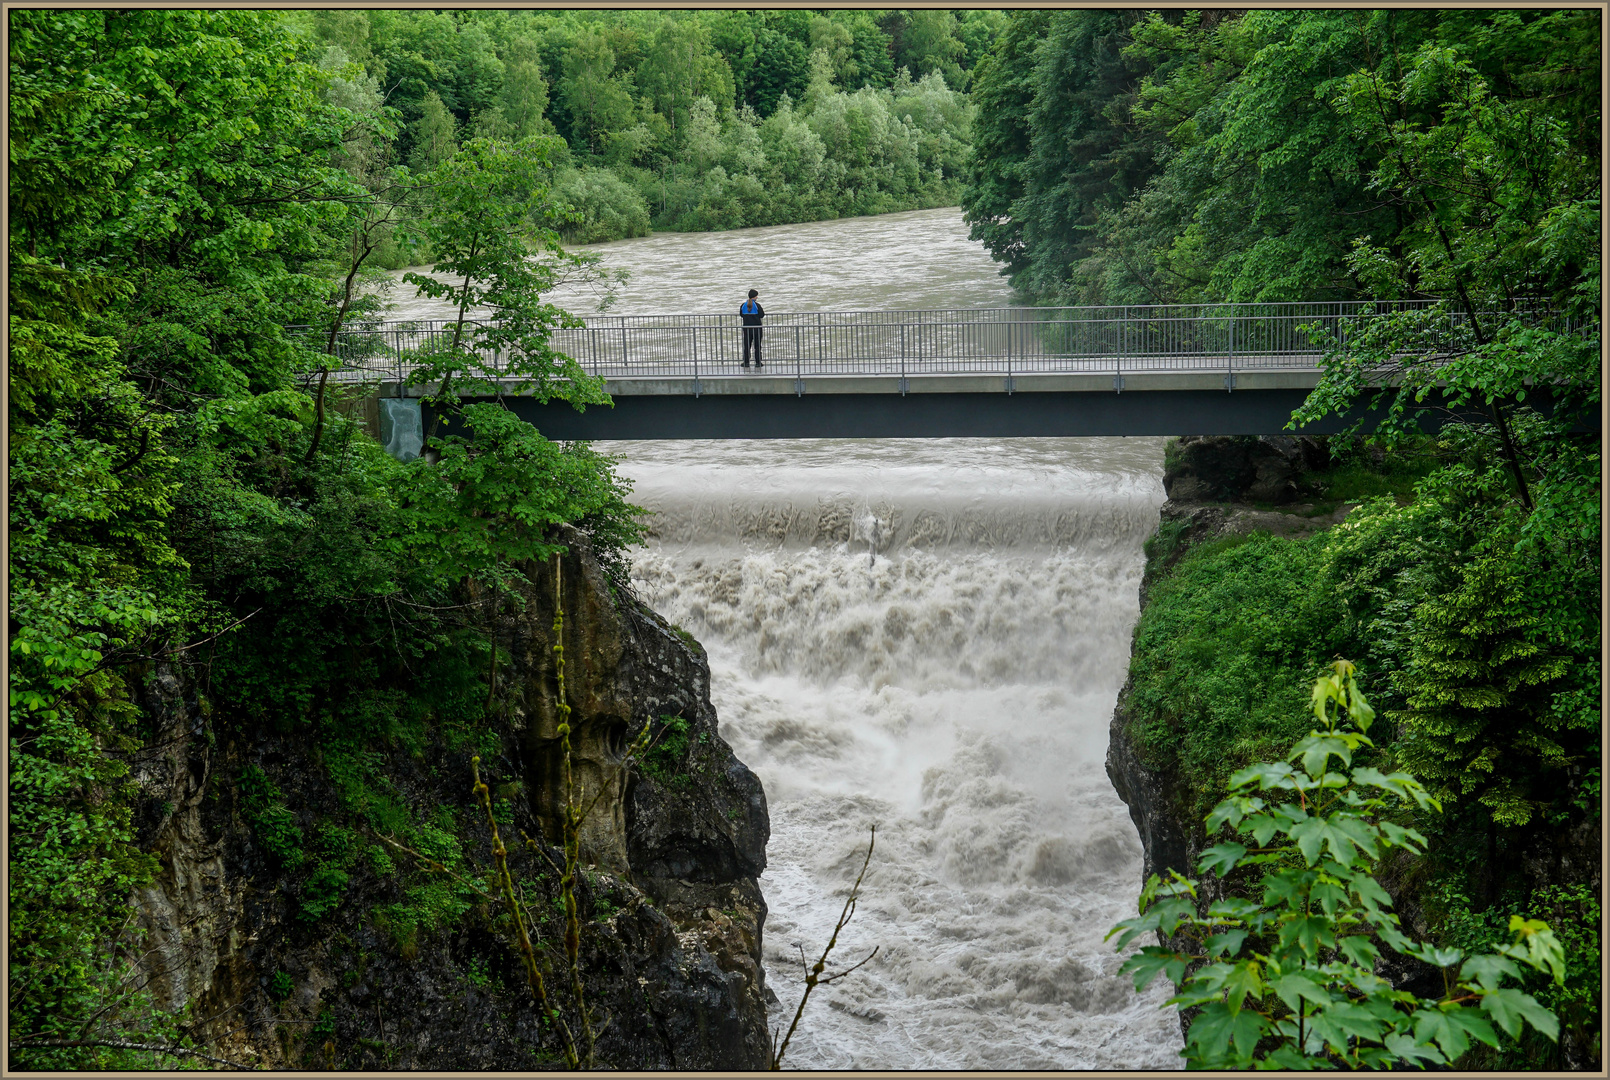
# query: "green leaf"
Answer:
x=1371 y=893
x=1488 y=970
x=1216 y=1027
x=1245 y=979
x=1434 y=955
x=1263 y=827
x=1343 y=1021
x=1152 y=960
x=1220 y=859
x=1268 y=775
x=1329 y=896
x=1450 y=1027
x=1130 y=929
x=1226 y=943
x=1541 y=948
x=1510 y=1007
x=1344 y=833
x=1297 y=986
x=1316 y=750
x=1309 y=933
x=1287 y=886
x=1360 y=950
x=1232 y=907
x=1286 y=1056
x=1404 y=1046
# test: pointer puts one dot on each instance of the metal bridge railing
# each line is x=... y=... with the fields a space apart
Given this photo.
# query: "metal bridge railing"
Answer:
x=1006 y=341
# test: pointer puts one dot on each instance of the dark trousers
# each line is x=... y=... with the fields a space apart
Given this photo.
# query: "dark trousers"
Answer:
x=752 y=337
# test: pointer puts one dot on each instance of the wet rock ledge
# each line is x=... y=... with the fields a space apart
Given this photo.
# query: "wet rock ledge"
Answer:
x=1212 y=483
x=1222 y=486
x=673 y=914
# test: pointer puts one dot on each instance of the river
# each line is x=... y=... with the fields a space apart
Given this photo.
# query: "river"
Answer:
x=925 y=635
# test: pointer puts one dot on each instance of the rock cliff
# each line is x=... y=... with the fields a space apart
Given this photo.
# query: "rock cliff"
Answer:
x=1214 y=484
x=379 y=965
x=1210 y=482
x=1220 y=486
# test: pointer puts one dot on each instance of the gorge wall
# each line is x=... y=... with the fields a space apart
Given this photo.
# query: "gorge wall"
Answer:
x=332 y=951
x=1211 y=483
x=1218 y=487
x=1241 y=687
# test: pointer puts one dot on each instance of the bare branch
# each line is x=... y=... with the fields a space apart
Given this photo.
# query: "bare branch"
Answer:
x=814 y=977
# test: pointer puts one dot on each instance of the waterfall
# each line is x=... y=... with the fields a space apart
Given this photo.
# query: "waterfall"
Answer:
x=928 y=635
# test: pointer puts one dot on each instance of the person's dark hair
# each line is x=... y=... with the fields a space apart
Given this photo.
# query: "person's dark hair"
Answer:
x=753 y=294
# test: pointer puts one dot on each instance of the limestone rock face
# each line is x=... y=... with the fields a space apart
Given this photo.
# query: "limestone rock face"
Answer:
x=1220 y=468
x=1209 y=480
x=672 y=915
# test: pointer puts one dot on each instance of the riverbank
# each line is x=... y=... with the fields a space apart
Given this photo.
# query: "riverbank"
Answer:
x=1271 y=558
x=291 y=929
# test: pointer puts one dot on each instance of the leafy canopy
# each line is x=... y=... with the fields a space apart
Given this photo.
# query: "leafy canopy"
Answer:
x=1284 y=975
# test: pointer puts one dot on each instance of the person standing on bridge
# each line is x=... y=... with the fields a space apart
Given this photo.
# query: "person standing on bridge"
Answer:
x=751 y=312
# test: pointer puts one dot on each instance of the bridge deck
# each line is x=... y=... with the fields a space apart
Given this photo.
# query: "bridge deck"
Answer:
x=780 y=381
x=1203 y=369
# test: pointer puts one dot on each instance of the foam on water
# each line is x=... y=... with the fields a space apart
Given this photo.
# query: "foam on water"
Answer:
x=927 y=635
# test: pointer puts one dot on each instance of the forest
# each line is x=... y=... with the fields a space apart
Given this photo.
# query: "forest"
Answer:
x=186 y=488
x=191 y=493
x=1448 y=158
x=676 y=120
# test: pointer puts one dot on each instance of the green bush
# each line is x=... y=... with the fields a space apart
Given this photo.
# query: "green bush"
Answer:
x=1287 y=976
x=337 y=851
x=1224 y=654
x=280 y=986
x=666 y=759
x=1575 y=914
x=605 y=206
x=273 y=824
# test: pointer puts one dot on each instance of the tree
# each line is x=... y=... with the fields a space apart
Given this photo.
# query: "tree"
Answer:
x=186 y=186
x=524 y=102
x=1288 y=980
x=772 y=65
x=435 y=134
x=680 y=67
x=596 y=99
x=832 y=38
x=171 y=178
x=1082 y=159
x=491 y=225
x=930 y=44
x=1497 y=193
x=1003 y=89
x=1481 y=690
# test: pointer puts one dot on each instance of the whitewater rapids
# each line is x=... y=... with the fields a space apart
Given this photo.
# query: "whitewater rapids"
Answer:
x=929 y=636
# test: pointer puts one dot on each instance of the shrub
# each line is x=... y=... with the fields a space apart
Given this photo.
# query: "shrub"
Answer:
x=606 y=207
x=666 y=758
x=274 y=825
x=1287 y=980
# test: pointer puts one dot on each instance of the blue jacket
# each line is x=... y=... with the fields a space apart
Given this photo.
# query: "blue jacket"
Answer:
x=751 y=312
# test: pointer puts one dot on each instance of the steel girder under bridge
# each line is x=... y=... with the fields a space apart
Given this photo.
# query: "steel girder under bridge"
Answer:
x=1199 y=369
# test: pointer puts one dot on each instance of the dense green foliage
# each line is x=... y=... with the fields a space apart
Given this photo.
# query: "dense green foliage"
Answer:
x=190 y=499
x=1286 y=969
x=1439 y=156
x=1289 y=155
x=1476 y=624
x=684 y=120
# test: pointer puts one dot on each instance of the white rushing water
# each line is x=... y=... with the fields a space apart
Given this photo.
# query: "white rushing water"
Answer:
x=925 y=635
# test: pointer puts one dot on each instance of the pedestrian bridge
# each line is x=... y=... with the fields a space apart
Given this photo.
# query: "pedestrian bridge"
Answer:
x=1192 y=369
